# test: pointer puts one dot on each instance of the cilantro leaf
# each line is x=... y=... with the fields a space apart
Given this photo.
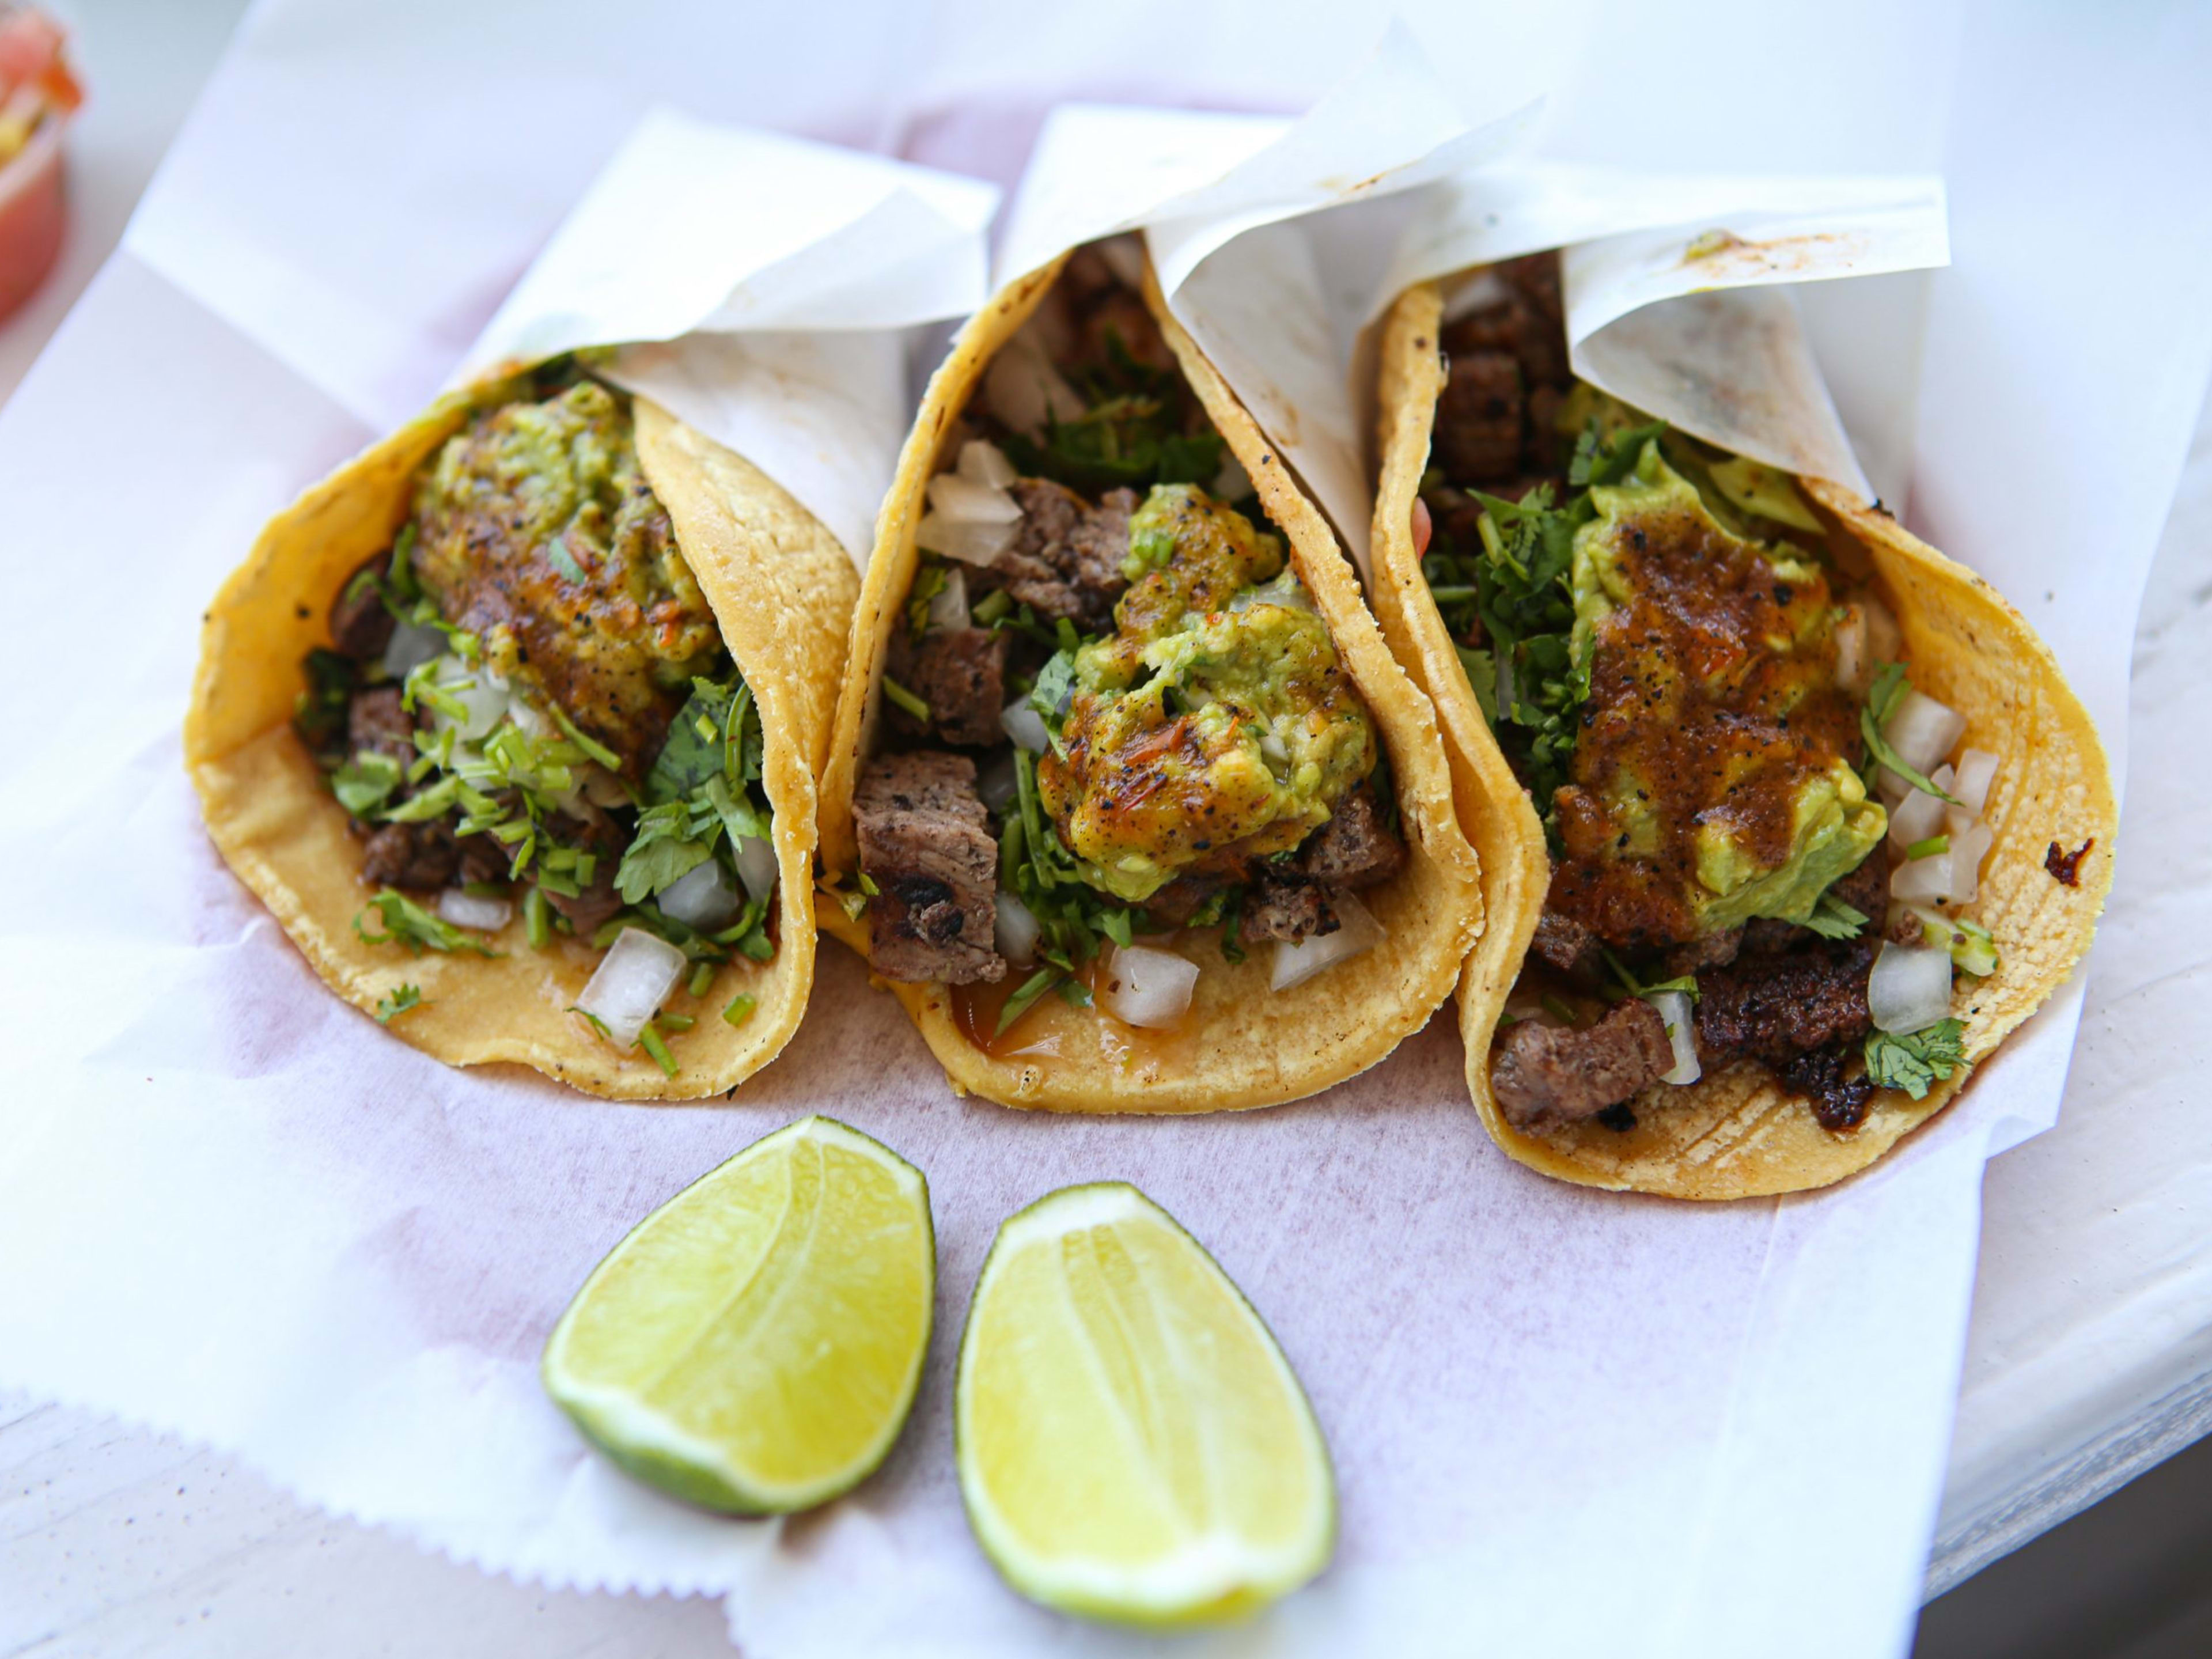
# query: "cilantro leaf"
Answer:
x=666 y=849
x=408 y=923
x=390 y=1007
x=366 y=782
x=1833 y=918
x=1918 y=1060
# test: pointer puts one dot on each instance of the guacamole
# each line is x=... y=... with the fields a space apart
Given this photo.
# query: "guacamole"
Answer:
x=536 y=531
x=1712 y=780
x=1215 y=725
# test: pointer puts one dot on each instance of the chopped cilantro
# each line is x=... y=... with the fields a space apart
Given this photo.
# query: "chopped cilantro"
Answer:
x=929 y=583
x=1973 y=951
x=534 y=919
x=906 y=700
x=597 y=1024
x=389 y=1008
x=739 y=1011
x=1916 y=1061
x=1133 y=431
x=1833 y=918
x=1933 y=847
x=592 y=746
x=1883 y=697
x=408 y=923
x=702 y=979
x=365 y=782
x=1024 y=996
x=676 y=1022
x=992 y=607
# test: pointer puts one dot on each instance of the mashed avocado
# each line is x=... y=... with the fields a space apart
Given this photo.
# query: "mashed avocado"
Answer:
x=1713 y=782
x=538 y=532
x=1215 y=725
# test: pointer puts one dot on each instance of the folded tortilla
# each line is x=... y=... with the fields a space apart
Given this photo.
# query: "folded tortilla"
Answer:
x=1241 y=1044
x=781 y=591
x=1737 y=1132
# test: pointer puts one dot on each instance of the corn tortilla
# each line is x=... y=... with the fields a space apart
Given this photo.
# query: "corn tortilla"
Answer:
x=1737 y=1132
x=1242 y=1044
x=781 y=590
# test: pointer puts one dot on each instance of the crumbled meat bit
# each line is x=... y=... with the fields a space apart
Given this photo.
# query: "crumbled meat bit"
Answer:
x=379 y=721
x=1535 y=277
x=1546 y=1076
x=1065 y=560
x=589 y=830
x=2066 y=867
x=960 y=673
x=926 y=843
x=1515 y=327
x=417 y=855
x=484 y=858
x=1564 y=944
x=360 y=627
x=1713 y=950
x=1283 y=905
x=1838 y=1103
x=1478 y=431
x=1354 y=849
x=1773 y=1008
x=1174 y=904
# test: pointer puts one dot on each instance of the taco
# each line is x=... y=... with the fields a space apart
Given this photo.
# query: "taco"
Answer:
x=1785 y=819
x=513 y=723
x=1127 y=801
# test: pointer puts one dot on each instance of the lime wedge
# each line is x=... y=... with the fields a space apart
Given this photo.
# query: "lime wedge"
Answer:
x=754 y=1345
x=1132 y=1444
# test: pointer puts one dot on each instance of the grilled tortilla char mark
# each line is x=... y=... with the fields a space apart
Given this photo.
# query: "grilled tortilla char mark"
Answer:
x=926 y=843
x=1550 y=1076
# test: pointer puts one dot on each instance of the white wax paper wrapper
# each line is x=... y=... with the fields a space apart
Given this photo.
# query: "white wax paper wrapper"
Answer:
x=1562 y=1422
x=774 y=286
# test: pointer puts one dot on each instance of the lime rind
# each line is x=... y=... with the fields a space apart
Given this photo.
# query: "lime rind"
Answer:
x=1216 y=1577
x=647 y=1445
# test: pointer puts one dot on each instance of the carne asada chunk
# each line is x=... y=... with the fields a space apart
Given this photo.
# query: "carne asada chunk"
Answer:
x=417 y=855
x=1354 y=849
x=360 y=626
x=589 y=830
x=960 y=673
x=1477 y=432
x=1174 y=904
x=1713 y=950
x=1546 y=1076
x=379 y=721
x=1837 y=1103
x=926 y=843
x=1285 y=906
x=1066 y=557
x=1775 y=1008
x=1564 y=944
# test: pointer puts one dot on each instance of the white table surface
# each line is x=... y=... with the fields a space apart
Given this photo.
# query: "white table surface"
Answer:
x=115 y=1541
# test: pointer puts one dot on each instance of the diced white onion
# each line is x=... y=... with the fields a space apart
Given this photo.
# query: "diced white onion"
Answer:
x=1922 y=881
x=1023 y=389
x=468 y=911
x=1018 y=931
x=970 y=531
x=1673 y=1007
x=531 y=722
x=483 y=704
x=703 y=896
x=1025 y=726
x=1919 y=814
x=1968 y=848
x=1285 y=590
x=1357 y=931
x=602 y=787
x=948 y=606
x=1232 y=483
x=1149 y=988
x=956 y=497
x=412 y=645
x=756 y=862
x=633 y=979
x=1909 y=989
x=1274 y=748
x=1866 y=637
x=986 y=464
x=996 y=784
x=1978 y=771
x=1922 y=731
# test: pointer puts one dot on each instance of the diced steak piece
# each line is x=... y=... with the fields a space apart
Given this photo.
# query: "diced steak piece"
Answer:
x=1536 y=277
x=1065 y=560
x=360 y=625
x=379 y=721
x=1838 y=1103
x=1516 y=326
x=1552 y=1075
x=1174 y=904
x=960 y=673
x=1353 y=848
x=926 y=843
x=485 y=858
x=593 y=906
x=1286 y=907
x=1713 y=950
x=415 y=855
x=1478 y=436
x=1774 y=1008
x=1564 y=944
x=589 y=829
